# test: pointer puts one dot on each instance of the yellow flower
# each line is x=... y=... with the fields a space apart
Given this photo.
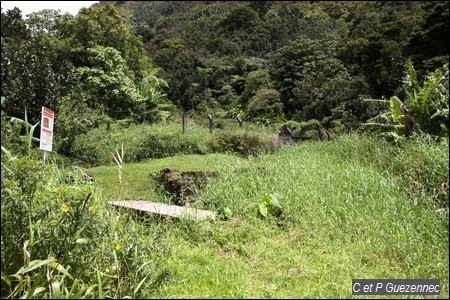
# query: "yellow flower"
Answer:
x=65 y=208
x=94 y=208
x=118 y=247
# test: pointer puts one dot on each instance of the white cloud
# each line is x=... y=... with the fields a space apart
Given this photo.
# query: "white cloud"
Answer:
x=28 y=7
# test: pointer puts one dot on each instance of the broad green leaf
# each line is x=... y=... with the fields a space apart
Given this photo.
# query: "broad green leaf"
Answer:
x=376 y=100
x=14 y=119
x=89 y=290
x=275 y=202
x=74 y=286
x=266 y=200
x=440 y=113
x=263 y=209
x=380 y=125
x=100 y=285
x=4 y=277
x=8 y=153
x=38 y=290
x=139 y=285
x=395 y=106
x=227 y=212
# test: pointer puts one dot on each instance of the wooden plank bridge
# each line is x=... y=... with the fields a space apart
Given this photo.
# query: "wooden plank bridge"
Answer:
x=165 y=209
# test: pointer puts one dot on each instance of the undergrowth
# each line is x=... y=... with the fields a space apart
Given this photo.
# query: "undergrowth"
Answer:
x=164 y=140
x=344 y=209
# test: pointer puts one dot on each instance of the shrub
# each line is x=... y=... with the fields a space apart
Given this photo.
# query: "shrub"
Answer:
x=60 y=241
x=307 y=130
x=93 y=148
x=244 y=143
x=42 y=218
x=74 y=119
x=422 y=165
x=310 y=130
x=265 y=103
x=158 y=145
x=143 y=141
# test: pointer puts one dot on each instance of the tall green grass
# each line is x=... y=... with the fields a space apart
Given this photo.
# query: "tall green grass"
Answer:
x=140 y=180
x=348 y=212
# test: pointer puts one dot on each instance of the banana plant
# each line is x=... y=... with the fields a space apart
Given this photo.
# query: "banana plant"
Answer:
x=150 y=86
x=425 y=109
x=151 y=89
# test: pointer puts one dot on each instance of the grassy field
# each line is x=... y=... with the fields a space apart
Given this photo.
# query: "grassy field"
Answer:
x=346 y=215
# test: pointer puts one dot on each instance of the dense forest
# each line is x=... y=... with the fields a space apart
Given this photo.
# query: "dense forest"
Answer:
x=293 y=59
x=265 y=61
x=337 y=166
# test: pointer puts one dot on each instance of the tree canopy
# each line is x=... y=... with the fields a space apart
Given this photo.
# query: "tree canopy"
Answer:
x=320 y=58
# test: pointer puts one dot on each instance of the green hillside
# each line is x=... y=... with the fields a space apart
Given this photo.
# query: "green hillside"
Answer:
x=315 y=131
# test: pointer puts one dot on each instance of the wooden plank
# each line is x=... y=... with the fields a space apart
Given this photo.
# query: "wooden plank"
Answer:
x=165 y=209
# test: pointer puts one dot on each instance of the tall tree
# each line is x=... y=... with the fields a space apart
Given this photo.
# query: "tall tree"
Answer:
x=301 y=69
x=183 y=71
x=110 y=62
x=103 y=26
x=30 y=77
x=106 y=85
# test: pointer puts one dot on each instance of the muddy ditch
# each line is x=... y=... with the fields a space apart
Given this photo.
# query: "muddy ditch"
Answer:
x=182 y=185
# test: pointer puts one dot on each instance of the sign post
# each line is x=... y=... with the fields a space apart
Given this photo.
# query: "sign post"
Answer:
x=47 y=120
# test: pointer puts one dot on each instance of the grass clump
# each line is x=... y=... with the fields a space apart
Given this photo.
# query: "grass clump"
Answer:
x=419 y=165
x=142 y=180
x=242 y=142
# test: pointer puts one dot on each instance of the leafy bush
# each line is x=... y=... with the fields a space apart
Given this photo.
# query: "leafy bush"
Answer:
x=270 y=204
x=422 y=165
x=61 y=241
x=311 y=130
x=265 y=103
x=75 y=118
x=312 y=124
x=158 y=145
x=244 y=143
x=254 y=81
x=93 y=148
x=42 y=218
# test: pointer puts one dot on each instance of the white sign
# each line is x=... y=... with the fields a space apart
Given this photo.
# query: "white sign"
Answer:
x=47 y=119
